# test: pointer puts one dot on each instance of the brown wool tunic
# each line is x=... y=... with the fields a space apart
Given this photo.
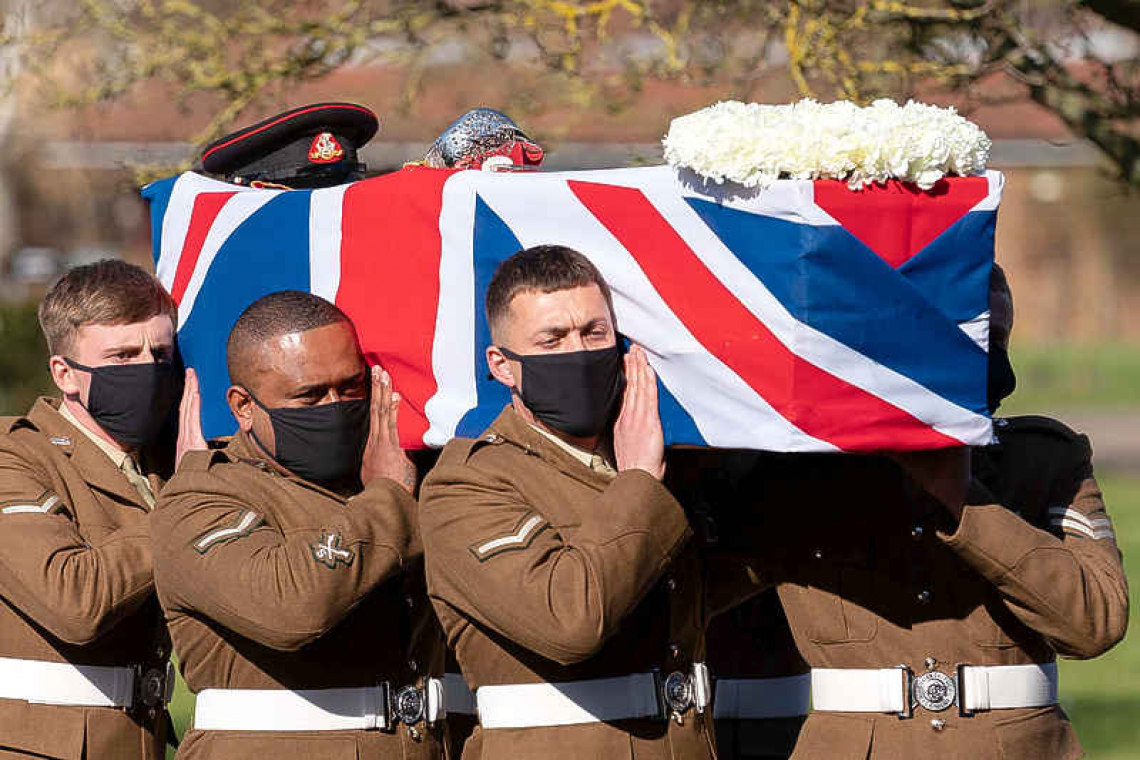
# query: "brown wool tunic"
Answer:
x=605 y=584
x=872 y=573
x=76 y=585
x=258 y=609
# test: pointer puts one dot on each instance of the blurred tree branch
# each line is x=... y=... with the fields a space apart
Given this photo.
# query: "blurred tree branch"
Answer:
x=239 y=52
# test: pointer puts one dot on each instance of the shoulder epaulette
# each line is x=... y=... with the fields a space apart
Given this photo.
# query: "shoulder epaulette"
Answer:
x=460 y=450
x=202 y=460
x=1032 y=424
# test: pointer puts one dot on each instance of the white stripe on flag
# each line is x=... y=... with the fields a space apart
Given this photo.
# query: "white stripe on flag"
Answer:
x=453 y=351
x=175 y=224
x=735 y=415
x=978 y=329
x=236 y=211
x=326 y=210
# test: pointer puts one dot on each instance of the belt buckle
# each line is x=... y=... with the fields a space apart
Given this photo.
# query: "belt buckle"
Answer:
x=410 y=705
x=154 y=686
x=677 y=695
x=935 y=690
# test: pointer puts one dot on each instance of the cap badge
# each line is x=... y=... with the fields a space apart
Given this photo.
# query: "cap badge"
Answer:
x=325 y=149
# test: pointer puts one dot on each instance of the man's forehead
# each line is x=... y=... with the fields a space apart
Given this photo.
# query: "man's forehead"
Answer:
x=584 y=302
x=159 y=327
x=322 y=354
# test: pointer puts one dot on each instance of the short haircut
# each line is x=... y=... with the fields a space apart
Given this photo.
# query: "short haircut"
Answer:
x=542 y=269
x=108 y=292
x=269 y=317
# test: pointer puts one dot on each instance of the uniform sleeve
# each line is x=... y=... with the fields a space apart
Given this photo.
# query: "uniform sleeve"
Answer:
x=496 y=558
x=74 y=586
x=219 y=555
x=1065 y=579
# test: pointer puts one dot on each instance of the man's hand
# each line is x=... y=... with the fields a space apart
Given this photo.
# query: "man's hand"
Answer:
x=190 y=436
x=944 y=474
x=639 y=442
x=383 y=457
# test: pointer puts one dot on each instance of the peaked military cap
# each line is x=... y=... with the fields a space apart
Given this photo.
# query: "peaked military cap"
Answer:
x=305 y=147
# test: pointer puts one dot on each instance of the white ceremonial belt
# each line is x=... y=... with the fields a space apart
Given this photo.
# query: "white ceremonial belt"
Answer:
x=458 y=697
x=897 y=690
x=342 y=709
x=61 y=683
x=568 y=703
x=762 y=698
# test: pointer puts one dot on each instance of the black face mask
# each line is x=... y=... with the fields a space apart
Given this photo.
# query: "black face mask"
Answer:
x=132 y=402
x=575 y=392
x=1000 y=380
x=323 y=444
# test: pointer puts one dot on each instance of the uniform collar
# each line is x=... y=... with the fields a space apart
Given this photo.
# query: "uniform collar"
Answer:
x=91 y=461
x=510 y=427
x=242 y=448
x=117 y=456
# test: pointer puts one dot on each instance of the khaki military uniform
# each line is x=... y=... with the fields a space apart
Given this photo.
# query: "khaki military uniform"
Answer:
x=270 y=582
x=76 y=585
x=753 y=642
x=546 y=570
x=874 y=573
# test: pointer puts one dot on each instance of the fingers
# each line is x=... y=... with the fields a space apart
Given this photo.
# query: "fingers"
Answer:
x=375 y=405
x=394 y=420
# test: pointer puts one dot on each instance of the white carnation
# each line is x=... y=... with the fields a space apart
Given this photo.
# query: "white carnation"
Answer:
x=755 y=145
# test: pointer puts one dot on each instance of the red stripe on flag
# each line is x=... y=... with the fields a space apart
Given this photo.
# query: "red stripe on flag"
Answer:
x=207 y=206
x=812 y=399
x=389 y=281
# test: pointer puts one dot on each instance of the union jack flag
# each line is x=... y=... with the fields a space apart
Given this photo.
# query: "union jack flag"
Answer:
x=802 y=317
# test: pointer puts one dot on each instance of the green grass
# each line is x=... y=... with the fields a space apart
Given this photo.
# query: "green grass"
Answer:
x=1102 y=696
x=1067 y=376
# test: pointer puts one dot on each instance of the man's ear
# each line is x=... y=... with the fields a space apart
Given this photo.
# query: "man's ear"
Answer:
x=500 y=367
x=241 y=406
x=63 y=375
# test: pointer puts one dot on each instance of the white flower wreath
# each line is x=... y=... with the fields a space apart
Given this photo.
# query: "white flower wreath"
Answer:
x=755 y=144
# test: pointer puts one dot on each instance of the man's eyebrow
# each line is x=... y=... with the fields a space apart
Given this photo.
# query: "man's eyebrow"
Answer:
x=122 y=347
x=555 y=330
x=305 y=390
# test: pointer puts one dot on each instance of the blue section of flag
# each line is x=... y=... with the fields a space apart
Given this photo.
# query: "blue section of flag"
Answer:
x=492 y=242
x=158 y=195
x=947 y=276
x=826 y=278
x=267 y=253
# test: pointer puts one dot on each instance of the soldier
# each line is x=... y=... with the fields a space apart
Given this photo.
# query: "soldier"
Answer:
x=558 y=561
x=932 y=594
x=83 y=652
x=305 y=147
x=289 y=564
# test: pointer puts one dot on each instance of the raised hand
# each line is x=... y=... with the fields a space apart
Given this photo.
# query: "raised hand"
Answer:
x=383 y=457
x=190 y=436
x=639 y=442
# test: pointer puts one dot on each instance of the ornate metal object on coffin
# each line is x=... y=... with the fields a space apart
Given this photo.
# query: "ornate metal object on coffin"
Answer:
x=478 y=135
